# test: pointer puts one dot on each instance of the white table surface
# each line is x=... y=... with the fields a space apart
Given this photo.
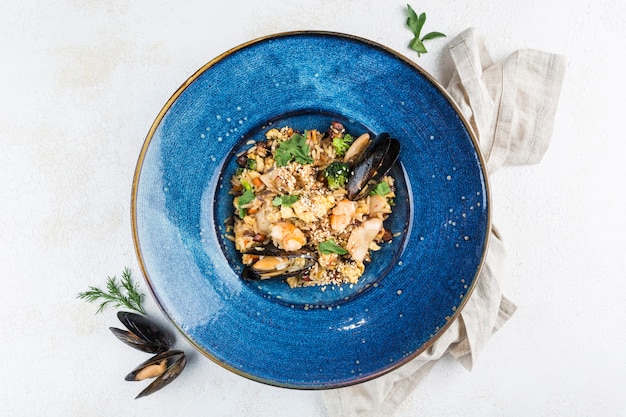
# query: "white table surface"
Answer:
x=80 y=85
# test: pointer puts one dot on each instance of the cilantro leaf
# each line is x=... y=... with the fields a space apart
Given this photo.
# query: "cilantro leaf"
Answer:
x=294 y=148
x=329 y=246
x=244 y=199
x=282 y=156
x=285 y=200
x=381 y=189
x=246 y=185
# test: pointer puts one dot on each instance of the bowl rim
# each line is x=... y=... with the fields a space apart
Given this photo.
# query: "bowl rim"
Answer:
x=333 y=34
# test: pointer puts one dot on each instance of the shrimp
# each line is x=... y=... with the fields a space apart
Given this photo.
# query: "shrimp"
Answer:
x=342 y=214
x=287 y=236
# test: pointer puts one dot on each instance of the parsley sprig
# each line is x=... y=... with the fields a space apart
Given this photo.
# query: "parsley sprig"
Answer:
x=381 y=189
x=118 y=294
x=416 y=23
x=294 y=148
x=285 y=200
x=329 y=246
x=244 y=199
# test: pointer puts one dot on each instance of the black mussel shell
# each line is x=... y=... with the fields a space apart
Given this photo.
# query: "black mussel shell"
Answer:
x=376 y=162
x=272 y=250
x=167 y=365
x=298 y=262
x=154 y=338
x=135 y=341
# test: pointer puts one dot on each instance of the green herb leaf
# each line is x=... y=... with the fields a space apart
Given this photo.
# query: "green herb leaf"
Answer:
x=246 y=185
x=127 y=295
x=244 y=199
x=294 y=148
x=420 y=22
x=412 y=20
x=417 y=45
x=433 y=35
x=282 y=156
x=416 y=23
x=382 y=189
x=329 y=246
x=285 y=200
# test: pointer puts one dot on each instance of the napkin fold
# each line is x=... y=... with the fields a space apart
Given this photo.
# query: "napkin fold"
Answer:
x=511 y=106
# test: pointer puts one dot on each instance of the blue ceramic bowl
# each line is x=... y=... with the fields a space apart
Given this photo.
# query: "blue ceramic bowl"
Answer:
x=310 y=338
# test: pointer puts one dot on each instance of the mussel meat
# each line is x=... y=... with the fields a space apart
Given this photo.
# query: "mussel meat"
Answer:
x=274 y=263
x=374 y=164
x=142 y=334
x=164 y=367
x=357 y=149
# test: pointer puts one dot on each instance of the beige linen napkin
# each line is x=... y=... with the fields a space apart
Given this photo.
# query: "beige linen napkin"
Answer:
x=511 y=106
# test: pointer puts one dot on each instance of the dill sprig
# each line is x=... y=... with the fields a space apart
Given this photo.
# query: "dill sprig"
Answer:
x=119 y=294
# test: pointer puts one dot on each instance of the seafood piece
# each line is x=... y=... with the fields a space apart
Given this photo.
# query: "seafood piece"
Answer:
x=286 y=236
x=165 y=367
x=379 y=205
x=361 y=237
x=357 y=148
x=142 y=334
x=342 y=214
x=263 y=224
x=376 y=162
x=335 y=129
x=278 y=264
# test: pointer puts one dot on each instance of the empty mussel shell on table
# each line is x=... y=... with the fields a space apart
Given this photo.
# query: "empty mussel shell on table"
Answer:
x=142 y=334
x=164 y=367
x=274 y=263
x=376 y=162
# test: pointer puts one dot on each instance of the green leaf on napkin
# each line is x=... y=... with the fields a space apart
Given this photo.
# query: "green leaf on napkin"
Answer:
x=416 y=22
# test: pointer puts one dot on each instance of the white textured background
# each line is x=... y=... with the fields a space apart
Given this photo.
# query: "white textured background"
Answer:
x=81 y=83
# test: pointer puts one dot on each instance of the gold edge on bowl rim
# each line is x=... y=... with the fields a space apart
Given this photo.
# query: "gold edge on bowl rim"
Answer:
x=189 y=81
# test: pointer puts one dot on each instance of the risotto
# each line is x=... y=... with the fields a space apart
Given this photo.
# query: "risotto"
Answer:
x=290 y=196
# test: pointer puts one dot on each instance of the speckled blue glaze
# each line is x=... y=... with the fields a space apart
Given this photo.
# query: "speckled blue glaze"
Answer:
x=310 y=338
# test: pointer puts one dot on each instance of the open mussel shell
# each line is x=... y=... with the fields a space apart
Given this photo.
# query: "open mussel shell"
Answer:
x=375 y=163
x=277 y=264
x=164 y=367
x=142 y=334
